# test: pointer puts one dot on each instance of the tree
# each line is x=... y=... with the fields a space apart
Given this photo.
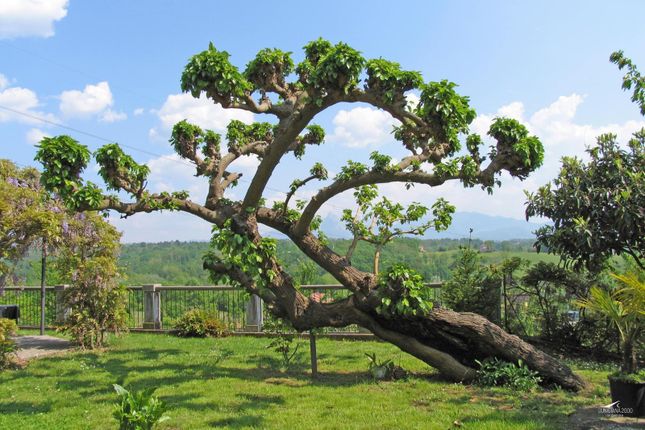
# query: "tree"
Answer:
x=380 y=222
x=329 y=74
x=473 y=287
x=88 y=258
x=27 y=215
x=598 y=207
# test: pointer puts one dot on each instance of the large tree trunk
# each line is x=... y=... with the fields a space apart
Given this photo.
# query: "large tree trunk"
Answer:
x=447 y=340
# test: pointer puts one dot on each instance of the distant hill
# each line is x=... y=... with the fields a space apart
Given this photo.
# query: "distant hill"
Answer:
x=485 y=227
x=180 y=263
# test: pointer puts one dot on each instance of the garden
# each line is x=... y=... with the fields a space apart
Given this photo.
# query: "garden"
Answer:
x=511 y=344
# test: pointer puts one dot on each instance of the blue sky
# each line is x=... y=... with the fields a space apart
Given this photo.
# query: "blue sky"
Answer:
x=112 y=69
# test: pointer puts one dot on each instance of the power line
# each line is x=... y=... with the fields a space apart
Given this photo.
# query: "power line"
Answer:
x=81 y=72
x=134 y=148
x=76 y=70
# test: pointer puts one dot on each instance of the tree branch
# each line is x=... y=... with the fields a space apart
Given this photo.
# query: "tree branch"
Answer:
x=368 y=178
x=158 y=202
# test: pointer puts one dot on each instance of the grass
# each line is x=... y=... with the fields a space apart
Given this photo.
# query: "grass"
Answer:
x=236 y=383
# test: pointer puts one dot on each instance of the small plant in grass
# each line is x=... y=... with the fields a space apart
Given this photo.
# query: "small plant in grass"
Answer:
x=284 y=341
x=495 y=372
x=140 y=410
x=199 y=323
x=384 y=370
x=7 y=345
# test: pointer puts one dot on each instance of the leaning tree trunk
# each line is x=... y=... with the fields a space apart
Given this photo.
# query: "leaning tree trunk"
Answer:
x=447 y=340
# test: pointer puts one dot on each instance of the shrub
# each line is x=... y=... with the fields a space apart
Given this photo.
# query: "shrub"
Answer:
x=495 y=372
x=138 y=411
x=7 y=345
x=199 y=323
x=96 y=303
x=384 y=370
x=283 y=342
x=473 y=287
x=89 y=262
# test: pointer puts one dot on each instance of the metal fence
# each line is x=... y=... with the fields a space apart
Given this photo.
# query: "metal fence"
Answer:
x=227 y=303
x=28 y=299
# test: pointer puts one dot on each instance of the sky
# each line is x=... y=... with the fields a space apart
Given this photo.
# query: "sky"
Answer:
x=109 y=72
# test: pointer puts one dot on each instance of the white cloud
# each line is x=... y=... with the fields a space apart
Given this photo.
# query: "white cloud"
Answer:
x=138 y=111
x=561 y=134
x=413 y=100
x=112 y=116
x=21 y=100
x=172 y=173
x=363 y=127
x=93 y=100
x=246 y=162
x=202 y=112
x=19 y=18
x=35 y=135
x=4 y=82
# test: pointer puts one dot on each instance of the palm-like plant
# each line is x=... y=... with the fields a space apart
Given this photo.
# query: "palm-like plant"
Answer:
x=625 y=308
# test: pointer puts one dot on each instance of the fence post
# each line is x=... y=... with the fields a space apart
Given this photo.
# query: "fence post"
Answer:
x=62 y=311
x=254 y=315
x=151 y=306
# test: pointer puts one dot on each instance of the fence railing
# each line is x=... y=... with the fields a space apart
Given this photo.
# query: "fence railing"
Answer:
x=157 y=307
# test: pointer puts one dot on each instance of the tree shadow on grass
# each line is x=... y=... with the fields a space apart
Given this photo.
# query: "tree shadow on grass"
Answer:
x=244 y=415
x=9 y=407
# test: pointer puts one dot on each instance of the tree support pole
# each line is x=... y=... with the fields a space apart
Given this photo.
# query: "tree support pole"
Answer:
x=43 y=269
x=314 y=354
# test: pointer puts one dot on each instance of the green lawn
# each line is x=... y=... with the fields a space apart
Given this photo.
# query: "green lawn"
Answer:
x=246 y=390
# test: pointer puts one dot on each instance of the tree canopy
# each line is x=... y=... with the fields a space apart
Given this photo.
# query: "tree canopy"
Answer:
x=431 y=131
x=598 y=207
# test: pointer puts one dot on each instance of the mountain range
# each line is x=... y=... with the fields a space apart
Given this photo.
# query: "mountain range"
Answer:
x=485 y=227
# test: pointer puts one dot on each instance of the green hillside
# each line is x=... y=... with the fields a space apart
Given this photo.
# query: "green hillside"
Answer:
x=179 y=263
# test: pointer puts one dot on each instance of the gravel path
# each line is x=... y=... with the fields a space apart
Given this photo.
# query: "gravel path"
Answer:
x=40 y=346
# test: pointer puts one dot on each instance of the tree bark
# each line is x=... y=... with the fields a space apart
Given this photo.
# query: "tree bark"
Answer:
x=447 y=340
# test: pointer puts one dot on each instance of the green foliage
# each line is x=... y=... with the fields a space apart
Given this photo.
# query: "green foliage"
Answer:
x=632 y=78
x=625 y=308
x=630 y=378
x=283 y=341
x=28 y=215
x=8 y=329
x=387 y=78
x=382 y=163
x=116 y=168
x=87 y=260
x=268 y=68
x=315 y=136
x=384 y=370
x=403 y=292
x=521 y=153
x=330 y=68
x=239 y=134
x=495 y=372
x=211 y=71
x=63 y=160
x=199 y=323
x=237 y=250
x=473 y=287
x=351 y=170
x=552 y=288
x=448 y=112
x=138 y=411
x=187 y=138
x=596 y=207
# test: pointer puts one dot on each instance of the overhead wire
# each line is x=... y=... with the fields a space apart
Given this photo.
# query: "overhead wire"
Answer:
x=134 y=148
